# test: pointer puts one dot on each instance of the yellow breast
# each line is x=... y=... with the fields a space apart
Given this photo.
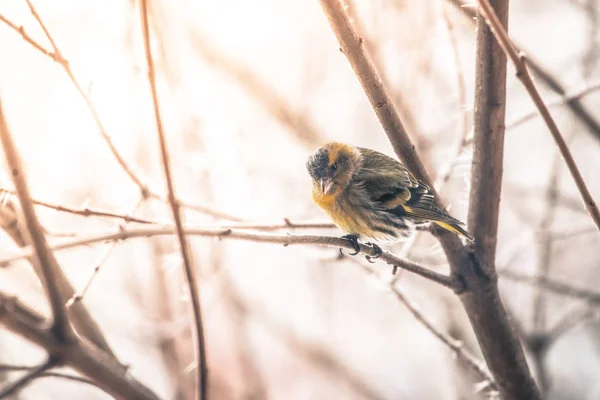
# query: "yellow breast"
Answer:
x=342 y=214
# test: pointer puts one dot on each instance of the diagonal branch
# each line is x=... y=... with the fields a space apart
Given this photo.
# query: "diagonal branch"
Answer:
x=57 y=57
x=518 y=60
x=84 y=357
x=574 y=103
x=43 y=255
x=202 y=383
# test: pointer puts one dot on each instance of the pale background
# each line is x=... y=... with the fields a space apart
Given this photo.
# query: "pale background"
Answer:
x=291 y=322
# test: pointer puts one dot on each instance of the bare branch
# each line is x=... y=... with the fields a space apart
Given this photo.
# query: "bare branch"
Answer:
x=575 y=104
x=47 y=262
x=57 y=57
x=457 y=348
x=32 y=374
x=61 y=375
x=6 y=220
x=286 y=240
x=266 y=96
x=565 y=100
x=480 y=295
x=554 y=285
x=84 y=357
x=202 y=383
x=518 y=60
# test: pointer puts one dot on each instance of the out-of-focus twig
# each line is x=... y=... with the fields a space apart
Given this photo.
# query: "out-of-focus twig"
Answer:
x=190 y=273
x=518 y=60
x=575 y=105
x=57 y=57
x=44 y=256
x=457 y=348
x=461 y=141
x=300 y=124
x=286 y=240
x=32 y=374
x=78 y=297
x=556 y=103
x=554 y=285
x=48 y=374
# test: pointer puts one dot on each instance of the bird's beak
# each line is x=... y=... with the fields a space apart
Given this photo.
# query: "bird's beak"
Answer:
x=326 y=184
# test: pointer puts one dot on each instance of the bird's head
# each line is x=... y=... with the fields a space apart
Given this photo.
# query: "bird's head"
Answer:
x=332 y=166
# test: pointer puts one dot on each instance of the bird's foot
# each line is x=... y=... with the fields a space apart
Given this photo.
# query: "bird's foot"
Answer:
x=354 y=241
x=376 y=249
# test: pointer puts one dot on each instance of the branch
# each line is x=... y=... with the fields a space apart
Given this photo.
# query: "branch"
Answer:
x=32 y=374
x=61 y=375
x=95 y=212
x=575 y=104
x=84 y=357
x=518 y=60
x=80 y=317
x=565 y=100
x=285 y=240
x=260 y=90
x=480 y=295
x=202 y=383
x=457 y=348
x=43 y=255
x=57 y=57
x=554 y=285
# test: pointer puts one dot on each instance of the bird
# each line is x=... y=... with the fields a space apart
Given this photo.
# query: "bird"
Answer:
x=372 y=196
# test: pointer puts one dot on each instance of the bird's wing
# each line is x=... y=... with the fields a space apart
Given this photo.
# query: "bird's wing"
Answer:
x=388 y=183
x=393 y=187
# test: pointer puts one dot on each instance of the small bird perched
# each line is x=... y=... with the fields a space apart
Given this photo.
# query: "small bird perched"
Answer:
x=372 y=196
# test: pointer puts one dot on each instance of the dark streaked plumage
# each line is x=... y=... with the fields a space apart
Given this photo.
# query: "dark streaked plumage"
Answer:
x=372 y=196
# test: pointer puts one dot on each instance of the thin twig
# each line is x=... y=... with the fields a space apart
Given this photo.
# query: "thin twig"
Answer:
x=454 y=345
x=518 y=60
x=62 y=375
x=286 y=240
x=278 y=106
x=11 y=222
x=202 y=382
x=575 y=104
x=78 y=297
x=461 y=141
x=554 y=285
x=127 y=218
x=565 y=100
x=47 y=262
x=14 y=387
x=57 y=57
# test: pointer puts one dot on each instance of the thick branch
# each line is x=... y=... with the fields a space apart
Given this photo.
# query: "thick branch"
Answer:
x=86 y=358
x=480 y=298
x=44 y=256
x=518 y=60
x=574 y=104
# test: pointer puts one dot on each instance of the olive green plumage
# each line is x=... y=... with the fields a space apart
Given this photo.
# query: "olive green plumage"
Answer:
x=372 y=196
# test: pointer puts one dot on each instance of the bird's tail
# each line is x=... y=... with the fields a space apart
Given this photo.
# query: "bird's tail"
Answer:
x=456 y=228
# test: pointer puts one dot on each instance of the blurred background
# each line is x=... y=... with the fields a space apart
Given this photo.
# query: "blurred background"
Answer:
x=248 y=90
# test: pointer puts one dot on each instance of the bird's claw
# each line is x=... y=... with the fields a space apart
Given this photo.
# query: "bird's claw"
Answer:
x=354 y=241
x=377 y=250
